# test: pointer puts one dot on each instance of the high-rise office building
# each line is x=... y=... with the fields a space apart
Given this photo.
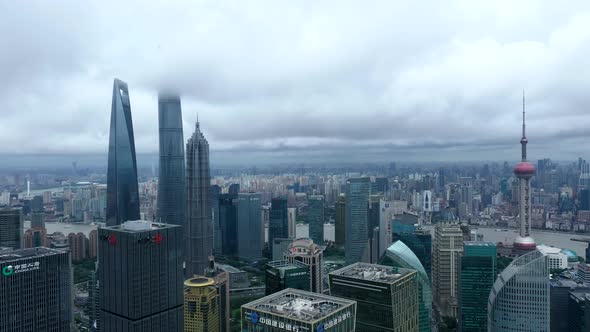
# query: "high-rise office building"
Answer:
x=171 y=178
x=524 y=171
x=199 y=225
x=228 y=221
x=35 y=237
x=519 y=300
x=93 y=243
x=478 y=274
x=293 y=310
x=38 y=220
x=11 y=228
x=35 y=290
x=340 y=227
x=386 y=296
x=312 y=255
x=122 y=188
x=201 y=305
x=140 y=277
x=283 y=274
x=77 y=242
x=279 y=220
x=217 y=235
x=250 y=230
x=565 y=296
x=357 y=223
x=419 y=240
x=399 y=255
x=234 y=189
x=292 y=220
x=385 y=221
x=315 y=218
x=280 y=246
x=446 y=252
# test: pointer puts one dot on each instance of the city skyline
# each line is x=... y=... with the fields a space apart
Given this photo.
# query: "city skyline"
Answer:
x=327 y=90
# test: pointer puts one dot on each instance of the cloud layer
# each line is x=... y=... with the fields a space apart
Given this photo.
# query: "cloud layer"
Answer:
x=327 y=80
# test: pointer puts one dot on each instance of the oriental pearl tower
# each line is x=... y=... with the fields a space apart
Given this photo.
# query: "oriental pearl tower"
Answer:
x=524 y=171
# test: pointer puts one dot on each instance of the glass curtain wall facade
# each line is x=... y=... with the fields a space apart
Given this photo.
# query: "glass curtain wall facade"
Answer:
x=478 y=273
x=519 y=300
x=11 y=224
x=171 y=177
x=315 y=217
x=228 y=222
x=199 y=226
x=279 y=220
x=122 y=188
x=357 y=230
x=340 y=226
x=250 y=231
x=418 y=240
x=398 y=254
x=217 y=236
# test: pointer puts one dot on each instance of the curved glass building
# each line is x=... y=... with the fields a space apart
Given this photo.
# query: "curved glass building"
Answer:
x=400 y=255
x=122 y=189
x=171 y=179
x=519 y=300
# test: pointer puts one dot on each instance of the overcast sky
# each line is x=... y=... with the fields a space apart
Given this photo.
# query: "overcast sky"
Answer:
x=316 y=80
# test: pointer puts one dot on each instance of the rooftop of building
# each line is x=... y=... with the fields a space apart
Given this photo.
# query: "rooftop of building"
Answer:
x=228 y=268
x=132 y=226
x=479 y=244
x=300 y=305
x=27 y=253
x=548 y=249
x=284 y=265
x=372 y=272
x=199 y=281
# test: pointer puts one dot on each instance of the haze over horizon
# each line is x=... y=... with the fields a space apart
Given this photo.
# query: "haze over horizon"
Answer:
x=305 y=82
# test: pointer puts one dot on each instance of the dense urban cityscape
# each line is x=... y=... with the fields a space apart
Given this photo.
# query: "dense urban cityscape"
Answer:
x=305 y=167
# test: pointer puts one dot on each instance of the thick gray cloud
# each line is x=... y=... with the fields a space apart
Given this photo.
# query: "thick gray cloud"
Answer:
x=331 y=80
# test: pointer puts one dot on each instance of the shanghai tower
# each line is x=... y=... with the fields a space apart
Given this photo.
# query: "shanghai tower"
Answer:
x=171 y=180
x=122 y=189
x=199 y=228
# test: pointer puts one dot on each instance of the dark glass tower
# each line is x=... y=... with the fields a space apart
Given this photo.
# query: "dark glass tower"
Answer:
x=199 y=226
x=171 y=187
x=250 y=230
x=279 y=220
x=140 y=277
x=478 y=273
x=122 y=191
x=217 y=235
x=35 y=290
x=11 y=228
x=357 y=220
x=228 y=220
x=315 y=217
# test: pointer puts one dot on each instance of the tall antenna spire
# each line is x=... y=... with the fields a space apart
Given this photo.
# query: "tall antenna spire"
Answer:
x=523 y=140
x=197 y=120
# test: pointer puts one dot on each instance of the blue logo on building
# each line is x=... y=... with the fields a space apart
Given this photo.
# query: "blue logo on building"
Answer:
x=321 y=328
x=254 y=318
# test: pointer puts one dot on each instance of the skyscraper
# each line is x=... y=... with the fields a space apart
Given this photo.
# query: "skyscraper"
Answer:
x=279 y=220
x=140 y=276
x=35 y=290
x=398 y=254
x=386 y=296
x=228 y=219
x=250 y=230
x=199 y=224
x=217 y=235
x=385 y=230
x=448 y=248
x=201 y=305
x=357 y=223
x=524 y=171
x=312 y=255
x=478 y=273
x=171 y=178
x=292 y=220
x=519 y=300
x=11 y=228
x=315 y=217
x=418 y=240
x=122 y=189
x=340 y=227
